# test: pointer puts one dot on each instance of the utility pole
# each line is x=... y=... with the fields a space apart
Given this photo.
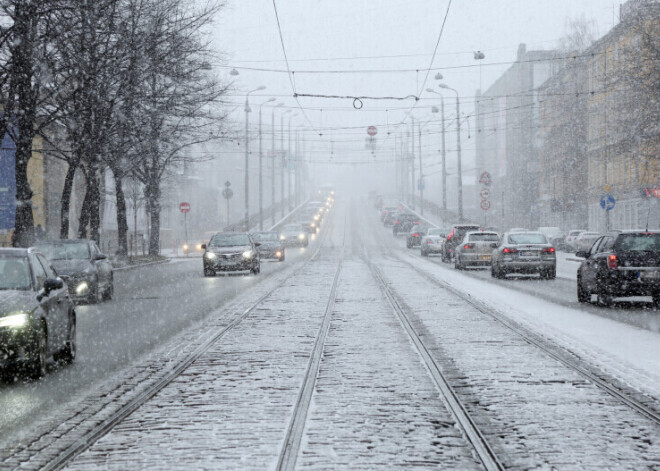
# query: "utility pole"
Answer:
x=421 y=173
x=412 y=163
x=444 y=160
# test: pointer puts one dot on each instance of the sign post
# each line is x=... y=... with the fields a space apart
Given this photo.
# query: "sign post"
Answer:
x=607 y=202
x=227 y=193
x=185 y=209
x=486 y=180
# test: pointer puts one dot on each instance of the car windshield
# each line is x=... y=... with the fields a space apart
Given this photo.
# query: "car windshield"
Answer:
x=264 y=236
x=14 y=273
x=638 y=243
x=292 y=228
x=484 y=237
x=527 y=238
x=229 y=240
x=65 y=251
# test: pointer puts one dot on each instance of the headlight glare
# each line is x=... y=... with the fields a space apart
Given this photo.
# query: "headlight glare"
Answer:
x=248 y=254
x=82 y=287
x=210 y=255
x=14 y=321
x=301 y=236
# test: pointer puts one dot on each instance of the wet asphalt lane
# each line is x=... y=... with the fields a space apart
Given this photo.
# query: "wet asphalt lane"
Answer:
x=150 y=305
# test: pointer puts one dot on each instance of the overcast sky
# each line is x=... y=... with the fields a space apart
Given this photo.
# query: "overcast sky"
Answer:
x=379 y=46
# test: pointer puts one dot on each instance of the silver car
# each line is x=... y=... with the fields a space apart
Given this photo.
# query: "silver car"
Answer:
x=585 y=240
x=294 y=234
x=432 y=242
x=524 y=252
x=476 y=250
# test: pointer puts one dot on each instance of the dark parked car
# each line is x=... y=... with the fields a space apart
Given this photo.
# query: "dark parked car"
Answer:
x=271 y=245
x=231 y=251
x=415 y=235
x=403 y=222
x=37 y=317
x=621 y=264
x=524 y=252
x=79 y=262
x=454 y=238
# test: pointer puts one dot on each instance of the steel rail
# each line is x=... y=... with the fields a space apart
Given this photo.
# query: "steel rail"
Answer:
x=293 y=439
x=103 y=428
x=479 y=443
x=553 y=350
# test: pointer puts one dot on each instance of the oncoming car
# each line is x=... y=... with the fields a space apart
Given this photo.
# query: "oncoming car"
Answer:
x=37 y=317
x=294 y=234
x=271 y=245
x=231 y=251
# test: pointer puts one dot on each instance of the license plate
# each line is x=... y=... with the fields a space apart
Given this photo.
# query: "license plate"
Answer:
x=485 y=257
x=650 y=274
x=529 y=255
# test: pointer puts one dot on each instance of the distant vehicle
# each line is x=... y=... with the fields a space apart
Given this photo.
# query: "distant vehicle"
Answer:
x=524 y=252
x=432 y=242
x=620 y=264
x=414 y=238
x=37 y=316
x=518 y=229
x=476 y=250
x=387 y=210
x=294 y=234
x=571 y=239
x=87 y=272
x=231 y=251
x=403 y=222
x=585 y=240
x=271 y=245
x=390 y=218
x=454 y=238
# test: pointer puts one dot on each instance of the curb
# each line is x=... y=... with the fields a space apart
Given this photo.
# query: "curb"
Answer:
x=133 y=267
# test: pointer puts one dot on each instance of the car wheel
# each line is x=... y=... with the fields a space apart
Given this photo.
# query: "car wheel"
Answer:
x=208 y=271
x=94 y=293
x=256 y=270
x=408 y=245
x=549 y=274
x=656 y=301
x=424 y=254
x=36 y=363
x=582 y=294
x=109 y=291
x=68 y=352
x=457 y=263
x=604 y=298
x=281 y=259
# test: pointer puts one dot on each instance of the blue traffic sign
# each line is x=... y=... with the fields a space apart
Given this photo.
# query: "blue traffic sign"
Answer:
x=607 y=202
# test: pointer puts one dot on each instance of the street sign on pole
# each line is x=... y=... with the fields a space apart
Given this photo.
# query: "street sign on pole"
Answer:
x=372 y=131
x=485 y=205
x=227 y=193
x=184 y=207
x=484 y=193
x=607 y=202
x=485 y=179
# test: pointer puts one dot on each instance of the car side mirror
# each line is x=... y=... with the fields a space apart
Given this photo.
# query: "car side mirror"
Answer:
x=582 y=254
x=257 y=244
x=100 y=257
x=51 y=284
x=203 y=246
x=494 y=245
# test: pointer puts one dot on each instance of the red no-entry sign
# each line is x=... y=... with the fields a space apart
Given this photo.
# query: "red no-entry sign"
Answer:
x=184 y=207
x=372 y=131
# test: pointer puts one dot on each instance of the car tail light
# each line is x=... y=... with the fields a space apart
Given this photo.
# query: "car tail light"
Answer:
x=430 y=241
x=612 y=262
x=509 y=250
x=415 y=234
x=396 y=222
x=548 y=250
x=451 y=234
x=468 y=246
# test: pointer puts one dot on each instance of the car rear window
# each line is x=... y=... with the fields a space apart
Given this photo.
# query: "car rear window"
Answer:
x=14 y=273
x=484 y=237
x=638 y=243
x=522 y=238
x=464 y=230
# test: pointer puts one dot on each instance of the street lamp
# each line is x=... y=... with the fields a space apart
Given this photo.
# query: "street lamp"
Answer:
x=261 y=157
x=458 y=149
x=274 y=157
x=444 y=152
x=247 y=152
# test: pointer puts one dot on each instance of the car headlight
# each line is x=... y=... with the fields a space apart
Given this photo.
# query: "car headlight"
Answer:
x=82 y=287
x=313 y=224
x=210 y=255
x=185 y=247
x=278 y=254
x=316 y=218
x=301 y=236
x=15 y=321
x=248 y=254
x=282 y=237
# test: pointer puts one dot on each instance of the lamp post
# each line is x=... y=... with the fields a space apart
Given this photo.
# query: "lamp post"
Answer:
x=247 y=153
x=272 y=188
x=288 y=172
x=458 y=150
x=444 y=152
x=261 y=158
x=412 y=163
x=281 y=163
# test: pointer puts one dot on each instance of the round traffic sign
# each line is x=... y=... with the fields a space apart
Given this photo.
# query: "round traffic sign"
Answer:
x=372 y=131
x=607 y=202
x=485 y=205
x=184 y=207
x=227 y=193
x=485 y=193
